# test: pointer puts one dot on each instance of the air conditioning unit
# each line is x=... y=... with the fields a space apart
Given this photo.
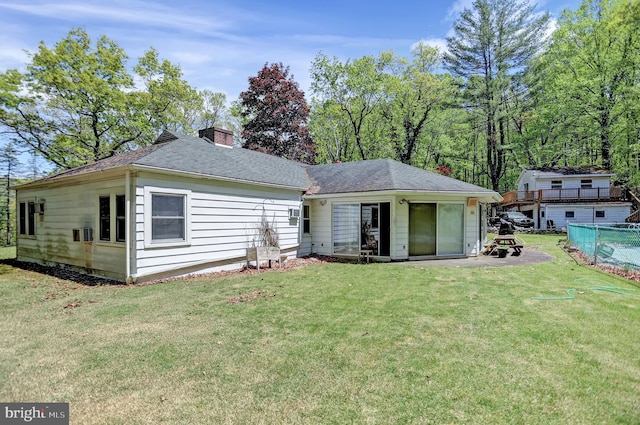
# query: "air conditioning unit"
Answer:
x=87 y=234
x=294 y=212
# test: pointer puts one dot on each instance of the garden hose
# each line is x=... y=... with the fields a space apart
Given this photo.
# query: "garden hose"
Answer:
x=607 y=287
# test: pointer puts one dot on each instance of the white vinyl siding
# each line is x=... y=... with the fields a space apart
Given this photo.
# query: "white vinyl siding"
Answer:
x=72 y=208
x=613 y=213
x=223 y=220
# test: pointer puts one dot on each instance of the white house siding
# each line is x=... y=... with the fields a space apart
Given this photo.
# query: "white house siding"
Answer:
x=67 y=208
x=568 y=181
x=224 y=220
x=322 y=229
x=613 y=213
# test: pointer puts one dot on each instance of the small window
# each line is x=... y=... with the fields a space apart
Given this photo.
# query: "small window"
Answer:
x=27 y=218
x=76 y=235
x=556 y=184
x=22 y=213
x=121 y=221
x=586 y=184
x=105 y=218
x=306 y=219
x=374 y=217
x=569 y=214
x=600 y=214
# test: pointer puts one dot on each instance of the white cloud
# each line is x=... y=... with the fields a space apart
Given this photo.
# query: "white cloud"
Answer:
x=440 y=43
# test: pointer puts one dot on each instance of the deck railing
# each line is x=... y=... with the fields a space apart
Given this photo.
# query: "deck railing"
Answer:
x=565 y=195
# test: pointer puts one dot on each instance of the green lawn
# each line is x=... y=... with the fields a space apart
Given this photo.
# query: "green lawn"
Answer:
x=330 y=344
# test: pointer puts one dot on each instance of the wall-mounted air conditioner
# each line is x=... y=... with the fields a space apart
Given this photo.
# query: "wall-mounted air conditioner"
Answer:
x=87 y=234
x=294 y=212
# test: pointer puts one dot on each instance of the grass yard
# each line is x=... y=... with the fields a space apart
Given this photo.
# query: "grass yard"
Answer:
x=330 y=344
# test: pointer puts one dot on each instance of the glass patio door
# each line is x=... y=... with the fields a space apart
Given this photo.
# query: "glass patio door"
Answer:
x=450 y=229
x=422 y=229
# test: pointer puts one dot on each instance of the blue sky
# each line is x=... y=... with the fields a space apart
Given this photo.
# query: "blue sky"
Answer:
x=219 y=44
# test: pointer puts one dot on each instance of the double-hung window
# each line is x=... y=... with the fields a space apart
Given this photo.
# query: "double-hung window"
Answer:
x=167 y=220
x=306 y=219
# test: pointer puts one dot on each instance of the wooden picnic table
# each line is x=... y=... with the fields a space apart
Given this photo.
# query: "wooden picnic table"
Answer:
x=502 y=244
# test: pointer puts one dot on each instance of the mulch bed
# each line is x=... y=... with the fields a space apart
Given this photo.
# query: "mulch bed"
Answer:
x=88 y=280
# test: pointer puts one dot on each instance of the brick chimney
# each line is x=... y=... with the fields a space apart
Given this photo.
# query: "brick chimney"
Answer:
x=217 y=135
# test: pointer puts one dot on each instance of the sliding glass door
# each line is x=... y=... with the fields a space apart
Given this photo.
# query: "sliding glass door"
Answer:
x=422 y=229
x=436 y=229
x=346 y=229
x=450 y=229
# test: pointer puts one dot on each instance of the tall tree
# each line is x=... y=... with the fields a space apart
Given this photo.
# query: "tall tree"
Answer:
x=413 y=97
x=492 y=43
x=592 y=68
x=276 y=115
x=350 y=92
x=78 y=103
x=9 y=163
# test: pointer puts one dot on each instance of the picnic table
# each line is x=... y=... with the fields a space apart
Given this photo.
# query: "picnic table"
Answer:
x=501 y=244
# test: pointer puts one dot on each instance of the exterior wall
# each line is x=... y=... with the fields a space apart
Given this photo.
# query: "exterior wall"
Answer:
x=614 y=213
x=67 y=208
x=224 y=218
x=322 y=217
x=568 y=181
x=527 y=177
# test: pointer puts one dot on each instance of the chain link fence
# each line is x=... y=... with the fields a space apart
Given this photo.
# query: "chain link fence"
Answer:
x=617 y=245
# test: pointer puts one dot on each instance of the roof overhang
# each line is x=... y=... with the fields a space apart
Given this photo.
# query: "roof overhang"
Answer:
x=485 y=197
x=116 y=172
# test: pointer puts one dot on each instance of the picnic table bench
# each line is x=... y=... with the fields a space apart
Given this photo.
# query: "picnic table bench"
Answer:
x=502 y=244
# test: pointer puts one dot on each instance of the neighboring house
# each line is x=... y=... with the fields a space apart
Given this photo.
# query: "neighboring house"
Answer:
x=188 y=205
x=562 y=195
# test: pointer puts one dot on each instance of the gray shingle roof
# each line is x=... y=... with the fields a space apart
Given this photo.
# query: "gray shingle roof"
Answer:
x=382 y=174
x=195 y=155
x=198 y=156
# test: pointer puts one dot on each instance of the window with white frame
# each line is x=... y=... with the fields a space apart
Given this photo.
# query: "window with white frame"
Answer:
x=167 y=219
x=27 y=218
x=556 y=184
x=586 y=184
x=569 y=214
x=600 y=214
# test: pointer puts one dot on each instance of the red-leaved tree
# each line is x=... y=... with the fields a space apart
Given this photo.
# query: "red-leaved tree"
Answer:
x=276 y=115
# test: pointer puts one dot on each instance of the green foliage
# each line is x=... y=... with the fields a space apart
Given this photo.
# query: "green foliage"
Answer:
x=589 y=86
x=78 y=103
x=380 y=107
x=346 y=98
x=493 y=41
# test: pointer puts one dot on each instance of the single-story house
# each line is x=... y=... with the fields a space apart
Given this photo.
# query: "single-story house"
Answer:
x=194 y=204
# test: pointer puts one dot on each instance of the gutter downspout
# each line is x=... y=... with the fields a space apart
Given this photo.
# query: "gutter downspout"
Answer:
x=127 y=232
